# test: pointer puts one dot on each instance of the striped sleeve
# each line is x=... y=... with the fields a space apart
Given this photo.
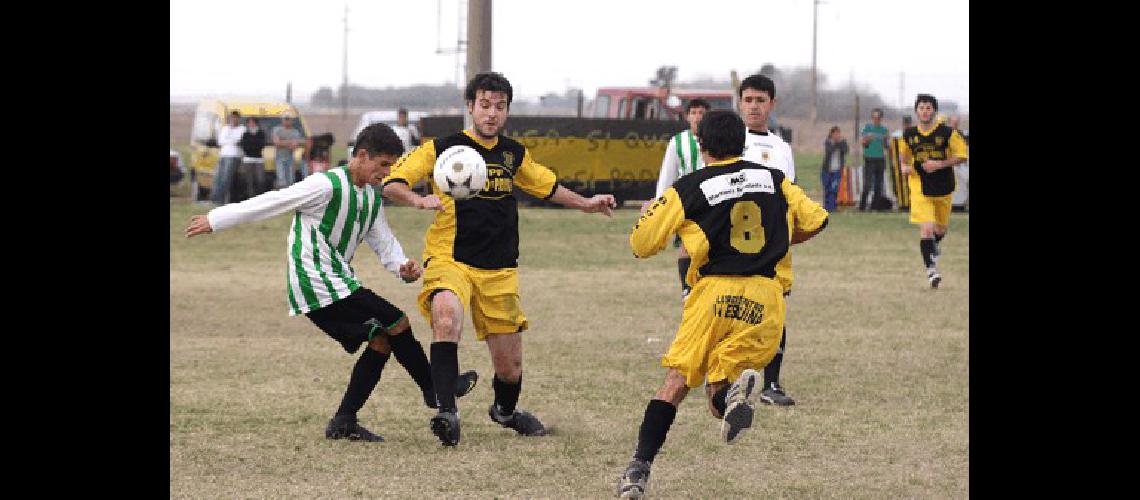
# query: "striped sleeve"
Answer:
x=669 y=166
x=383 y=241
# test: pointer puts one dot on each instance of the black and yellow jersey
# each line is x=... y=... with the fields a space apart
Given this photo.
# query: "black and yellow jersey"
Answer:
x=735 y=218
x=482 y=231
x=939 y=143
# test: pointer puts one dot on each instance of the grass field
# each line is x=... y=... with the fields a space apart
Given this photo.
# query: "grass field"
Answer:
x=877 y=361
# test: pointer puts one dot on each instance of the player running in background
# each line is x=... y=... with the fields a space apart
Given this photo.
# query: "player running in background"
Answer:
x=682 y=156
x=471 y=253
x=333 y=213
x=757 y=96
x=929 y=152
x=733 y=218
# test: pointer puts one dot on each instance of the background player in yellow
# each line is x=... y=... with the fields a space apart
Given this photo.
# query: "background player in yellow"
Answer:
x=929 y=152
x=471 y=253
x=736 y=219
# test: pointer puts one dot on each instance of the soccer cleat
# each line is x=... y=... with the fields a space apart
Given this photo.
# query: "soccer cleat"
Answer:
x=346 y=427
x=934 y=278
x=773 y=394
x=521 y=421
x=463 y=385
x=739 y=410
x=445 y=425
x=632 y=482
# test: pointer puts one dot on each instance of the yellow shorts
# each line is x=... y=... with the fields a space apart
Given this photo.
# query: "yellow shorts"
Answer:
x=492 y=295
x=924 y=208
x=728 y=324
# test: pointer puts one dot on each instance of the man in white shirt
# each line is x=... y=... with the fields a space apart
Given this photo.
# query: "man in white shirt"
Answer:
x=229 y=158
x=333 y=213
x=409 y=135
x=757 y=100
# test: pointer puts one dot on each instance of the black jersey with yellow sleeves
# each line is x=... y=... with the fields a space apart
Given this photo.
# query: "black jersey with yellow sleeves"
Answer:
x=939 y=143
x=734 y=217
x=482 y=231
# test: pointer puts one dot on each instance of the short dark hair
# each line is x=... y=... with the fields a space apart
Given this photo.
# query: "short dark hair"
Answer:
x=697 y=102
x=926 y=98
x=758 y=82
x=402 y=111
x=489 y=82
x=877 y=110
x=721 y=134
x=255 y=122
x=235 y=113
x=906 y=119
x=378 y=138
x=834 y=129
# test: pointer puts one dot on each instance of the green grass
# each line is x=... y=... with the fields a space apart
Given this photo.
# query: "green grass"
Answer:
x=877 y=361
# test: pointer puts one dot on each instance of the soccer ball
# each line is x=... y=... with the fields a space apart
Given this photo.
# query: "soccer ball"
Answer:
x=461 y=172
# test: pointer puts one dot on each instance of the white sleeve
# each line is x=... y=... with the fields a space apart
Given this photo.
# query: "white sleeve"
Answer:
x=311 y=192
x=384 y=243
x=668 y=174
x=791 y=173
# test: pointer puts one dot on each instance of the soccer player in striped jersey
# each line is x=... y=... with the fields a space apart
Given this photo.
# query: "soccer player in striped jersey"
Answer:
x=929 y=152
x=333 y=212
x=682 y=156
x=471 y=253
x=737 y=219
x=757 y=96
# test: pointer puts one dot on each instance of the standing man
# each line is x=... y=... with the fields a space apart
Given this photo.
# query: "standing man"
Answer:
x=929 y=152
x=229 y=157
x=252 y=163
x=757 y=102
x=833 y=166
x=408 y=133
x=733 y=218
x=286 y=138
x=471 y=253
x=681 y=157
x=332 y=214
x=874 y=158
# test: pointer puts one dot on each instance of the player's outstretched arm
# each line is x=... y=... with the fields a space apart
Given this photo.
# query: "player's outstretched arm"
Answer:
x=312 y=191
x=603 y=203
x=199 y=224
x=809 y=217
x=402 y=194
x=661 y=220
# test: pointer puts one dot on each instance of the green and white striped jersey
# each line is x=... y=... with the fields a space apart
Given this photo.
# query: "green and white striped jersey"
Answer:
x=331 y=217
x=682 y=156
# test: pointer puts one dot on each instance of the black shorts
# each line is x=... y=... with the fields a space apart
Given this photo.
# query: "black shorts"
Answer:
x=351 y=319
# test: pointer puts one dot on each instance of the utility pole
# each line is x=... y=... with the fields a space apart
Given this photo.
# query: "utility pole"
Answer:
x=478 y=41
x=902 y=95
x=344 y=80
x=814 y=25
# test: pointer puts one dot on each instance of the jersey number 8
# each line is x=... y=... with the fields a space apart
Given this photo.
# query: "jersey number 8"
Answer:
x=747 y=232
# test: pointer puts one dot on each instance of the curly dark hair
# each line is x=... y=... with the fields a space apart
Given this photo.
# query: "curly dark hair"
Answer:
x=721 y=134
x=490 y=82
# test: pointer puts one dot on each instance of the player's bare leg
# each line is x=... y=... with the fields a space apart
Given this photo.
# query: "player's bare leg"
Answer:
x=506 y=357
x=446 y=326
x=655 y=425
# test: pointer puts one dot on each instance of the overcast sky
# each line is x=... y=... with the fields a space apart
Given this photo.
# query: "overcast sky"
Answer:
x=252 y=48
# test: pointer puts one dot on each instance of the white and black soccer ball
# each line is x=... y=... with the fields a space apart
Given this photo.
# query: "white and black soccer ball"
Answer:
x=460 y=171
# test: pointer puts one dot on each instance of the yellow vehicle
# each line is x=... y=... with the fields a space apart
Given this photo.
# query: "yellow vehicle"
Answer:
x=209 y=118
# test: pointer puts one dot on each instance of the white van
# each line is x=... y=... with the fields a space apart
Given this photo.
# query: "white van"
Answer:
x=387 y=116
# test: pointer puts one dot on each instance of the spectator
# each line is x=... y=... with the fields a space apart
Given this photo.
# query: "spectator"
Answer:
x=834 y=161
x=229 y=156
x=318 y=156
x=408 y=133
x=874 y=159
x=286 y=138
x=961 y=195
x=252 y=163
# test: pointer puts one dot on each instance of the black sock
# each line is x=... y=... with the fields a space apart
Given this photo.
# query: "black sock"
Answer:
x=683 y=269
x=772 y=371
x=444 y=372
x=410 y=354
x=927 y=247
x=506 y=394
x=938 y=237
x=654 y=426
x=718 y=399
x=364 y=377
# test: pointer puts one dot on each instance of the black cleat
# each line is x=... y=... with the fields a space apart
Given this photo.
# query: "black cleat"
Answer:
x=463 y=385
x=521 y=421
x=346 y=427
x=740 y=406
x=445 y=425
x=632 y=482
x=773 y=394
x=934 y=278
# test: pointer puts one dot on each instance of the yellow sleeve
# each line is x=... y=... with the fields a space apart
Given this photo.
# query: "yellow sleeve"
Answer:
x=535 y=178
x=807 y=214
x=652 y=231
x=413 y=166
x=958 y=147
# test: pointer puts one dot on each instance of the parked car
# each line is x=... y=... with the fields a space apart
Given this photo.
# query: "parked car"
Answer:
x=387 y=116
x=208 y=119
